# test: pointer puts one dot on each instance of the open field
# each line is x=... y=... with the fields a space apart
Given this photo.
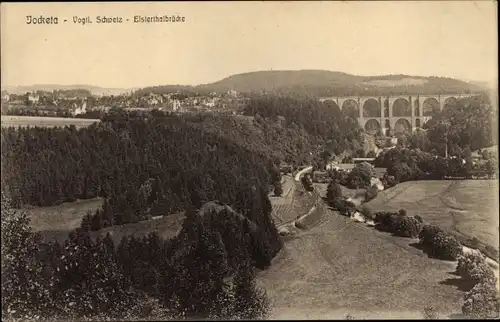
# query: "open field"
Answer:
x=357 y=195
x=166 y=227
x=24 y=121
x=65 y=217
x=57 y=221
x=465 y=207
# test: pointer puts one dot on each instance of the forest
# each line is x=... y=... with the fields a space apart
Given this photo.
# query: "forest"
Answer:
x=205 y=272
x=174 y=159
x=323 y=121
x=143 y=166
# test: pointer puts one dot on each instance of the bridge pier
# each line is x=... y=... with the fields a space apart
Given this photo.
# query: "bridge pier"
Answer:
x=382 y=114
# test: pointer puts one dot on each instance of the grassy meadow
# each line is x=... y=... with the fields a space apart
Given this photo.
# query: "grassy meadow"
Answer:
x=24 y=121
x=467 y=208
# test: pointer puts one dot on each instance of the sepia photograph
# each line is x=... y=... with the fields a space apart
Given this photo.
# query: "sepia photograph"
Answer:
x=249 y=160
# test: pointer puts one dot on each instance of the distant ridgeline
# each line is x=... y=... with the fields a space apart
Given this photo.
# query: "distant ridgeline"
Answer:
x=322 y=83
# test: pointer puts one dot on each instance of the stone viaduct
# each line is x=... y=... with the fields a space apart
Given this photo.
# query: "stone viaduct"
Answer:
x=397 y=113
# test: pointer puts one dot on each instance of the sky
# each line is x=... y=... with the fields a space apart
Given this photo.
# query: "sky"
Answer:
x=219 y=39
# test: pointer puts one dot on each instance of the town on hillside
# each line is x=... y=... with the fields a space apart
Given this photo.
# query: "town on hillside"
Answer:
x=75 y=102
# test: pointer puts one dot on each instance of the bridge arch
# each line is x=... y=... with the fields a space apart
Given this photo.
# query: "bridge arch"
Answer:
x=402 y=125
x=371 y=108
x=350 y=108
x=449 y=100
x=372 y=126
x=401 y=107
x=430 y=106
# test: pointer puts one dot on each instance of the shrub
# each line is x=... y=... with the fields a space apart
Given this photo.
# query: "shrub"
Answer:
x=446 y=246
x=307 y=182
x=278 y=189
x=473 y=266
x=360 y=153
x=347 y=159
x=440 y=243
x=388 y=181
x=401 y=171
x=388 y=221
x=481 y=302
x=371 y=193
x=344 y=207
x=427 y=234
x=467 y=262
x=419 y=219
x=409 y=227
x=371 y=154
x=367 y=213
x=333 y=191
x=338 y=203
x=474 y=242
x=360 y=176
x=350 y=208
x=430 y=313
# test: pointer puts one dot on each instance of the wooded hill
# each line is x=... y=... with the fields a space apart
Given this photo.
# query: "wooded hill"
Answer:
x=319 y=83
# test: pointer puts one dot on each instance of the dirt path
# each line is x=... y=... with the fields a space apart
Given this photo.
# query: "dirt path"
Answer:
x=301 y=172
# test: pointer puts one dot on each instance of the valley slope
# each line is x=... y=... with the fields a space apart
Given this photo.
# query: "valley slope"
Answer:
x=340 y=267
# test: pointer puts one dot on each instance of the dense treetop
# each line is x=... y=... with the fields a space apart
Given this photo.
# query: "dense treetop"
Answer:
x=470 y=122
x=204 y=272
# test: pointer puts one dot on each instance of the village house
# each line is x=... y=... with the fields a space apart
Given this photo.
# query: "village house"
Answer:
x=211 y=102
x=102 y=108
x=153 y=101
x=80 y=108
x=33 y=98
x=176 y=105
x=233 y=93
